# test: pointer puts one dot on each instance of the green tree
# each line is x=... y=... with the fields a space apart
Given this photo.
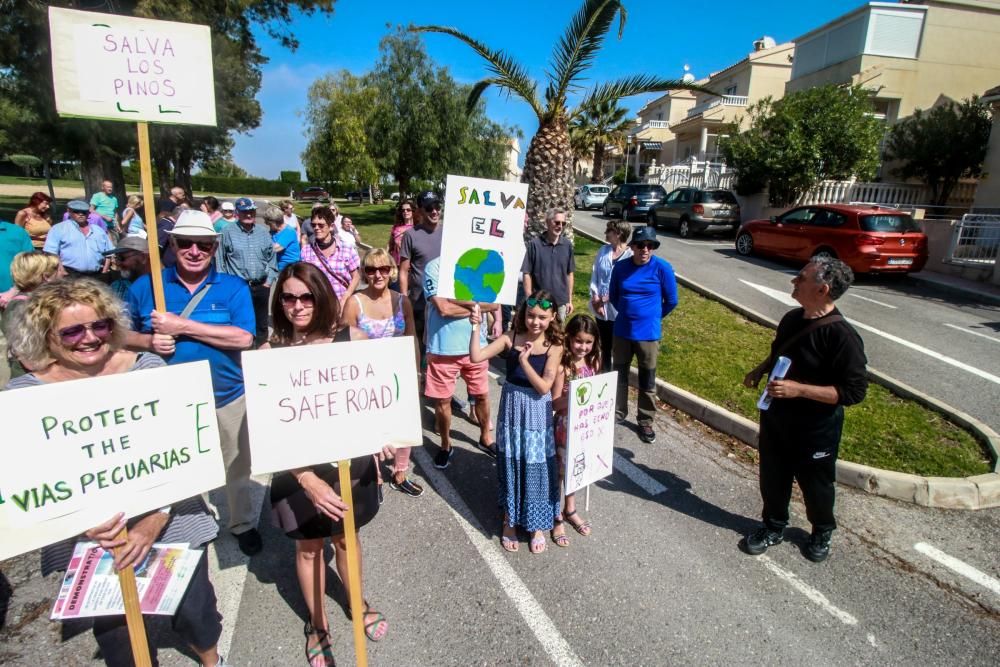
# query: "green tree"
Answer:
x=941 y=145
x=548 y=164
x=222 y=165
x=807 y=136
x=603 y=125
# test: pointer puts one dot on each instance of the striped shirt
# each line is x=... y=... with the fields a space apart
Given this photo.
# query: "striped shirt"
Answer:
x=247 y=254
x=190 y=520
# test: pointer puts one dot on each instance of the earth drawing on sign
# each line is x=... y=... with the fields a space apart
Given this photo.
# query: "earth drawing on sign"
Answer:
x=479 y=275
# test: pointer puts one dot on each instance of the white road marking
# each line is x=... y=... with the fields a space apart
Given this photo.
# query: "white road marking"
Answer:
x=877 y=303
x=793 y=580
x=558 y=649
x=974 y=333
x=701 y=243
x=640 y=478
x=787 y=300
x=964 y=569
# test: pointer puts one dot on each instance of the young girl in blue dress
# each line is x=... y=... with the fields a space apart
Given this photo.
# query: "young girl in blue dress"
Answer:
x=526 y=465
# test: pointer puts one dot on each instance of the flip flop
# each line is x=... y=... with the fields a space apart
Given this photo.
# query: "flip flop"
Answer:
x=509 y=544
x=537 y=544
x=583 y=527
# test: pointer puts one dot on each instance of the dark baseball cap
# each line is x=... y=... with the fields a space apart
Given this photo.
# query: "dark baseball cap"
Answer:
x=129 y=243
x=428 y=197
x=245 y=204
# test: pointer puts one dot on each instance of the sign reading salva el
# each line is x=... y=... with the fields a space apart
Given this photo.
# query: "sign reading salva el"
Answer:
x=316 y=404
x=590 y=430
x=125 y=68
x=482 y=243
x=78 y=452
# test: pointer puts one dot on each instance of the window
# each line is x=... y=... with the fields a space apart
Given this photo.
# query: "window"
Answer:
x=684 y=197
x=659 y=116
x=731 y=90
x=888 y=223
x=716 y=197
x=824 y=218
x=798 y=216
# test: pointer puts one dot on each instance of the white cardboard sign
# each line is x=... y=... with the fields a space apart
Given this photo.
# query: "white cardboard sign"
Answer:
x=78 y=452
x=482 y=243
x=316 y=404
x=590 y=430
x=126 y=68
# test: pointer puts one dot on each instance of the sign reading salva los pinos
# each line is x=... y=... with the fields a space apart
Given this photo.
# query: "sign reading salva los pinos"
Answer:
x=132 y=69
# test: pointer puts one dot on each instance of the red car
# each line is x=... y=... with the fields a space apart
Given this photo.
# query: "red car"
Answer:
x=313 y=193
x=869 y=238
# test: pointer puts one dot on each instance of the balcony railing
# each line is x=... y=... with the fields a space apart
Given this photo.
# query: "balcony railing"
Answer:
x=725 y=100
x=650 y=125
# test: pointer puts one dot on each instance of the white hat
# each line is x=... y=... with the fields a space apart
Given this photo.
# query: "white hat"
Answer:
x=193 y=223
x=228 y=206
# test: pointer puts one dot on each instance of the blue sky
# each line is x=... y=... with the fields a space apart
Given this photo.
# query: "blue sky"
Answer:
x=660 y=38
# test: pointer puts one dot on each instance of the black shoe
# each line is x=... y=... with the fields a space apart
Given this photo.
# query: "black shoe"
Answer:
x=250 y=542
x=442 y=459
x=489 y=450
x=647 y=434
x=818 y=547
x=757 y=542
x=619 y=419
x=407 y=487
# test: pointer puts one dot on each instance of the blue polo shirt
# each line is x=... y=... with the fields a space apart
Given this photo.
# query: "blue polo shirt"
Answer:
x=78 y=251
x=226 y=302
x=642 y=295
x=13 y=240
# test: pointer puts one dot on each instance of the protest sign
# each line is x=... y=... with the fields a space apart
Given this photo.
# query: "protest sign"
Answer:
x=590 y=430
x=126 y=68
x=314 y=404
x=482 y=243
x=78 y=452
x=90 y=587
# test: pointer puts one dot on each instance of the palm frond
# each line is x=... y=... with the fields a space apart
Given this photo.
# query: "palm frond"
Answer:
x=580 y=43
x=635 y=85
x=477 y=91
x=508 y=73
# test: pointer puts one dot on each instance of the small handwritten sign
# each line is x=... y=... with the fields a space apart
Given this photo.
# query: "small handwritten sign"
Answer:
x=78 y=452
x=590 y=430
x=126 y=68
x=321 y=403
x=482 y=245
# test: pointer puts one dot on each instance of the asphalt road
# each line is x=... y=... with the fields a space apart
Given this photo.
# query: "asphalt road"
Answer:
x=945 y=346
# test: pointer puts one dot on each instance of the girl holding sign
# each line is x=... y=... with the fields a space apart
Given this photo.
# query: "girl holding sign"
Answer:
x=582 y=359
x=526 y=465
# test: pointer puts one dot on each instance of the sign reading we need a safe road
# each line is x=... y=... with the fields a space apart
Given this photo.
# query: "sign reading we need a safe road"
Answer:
x=125 y=68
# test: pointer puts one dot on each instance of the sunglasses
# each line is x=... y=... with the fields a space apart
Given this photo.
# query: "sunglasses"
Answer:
x=406 y=210
x=645 y=245
x=289 y=299
x=74 y=334
x=384 y=270
x=250 y=212
x=185 y=244
x=428 y=208
x=545 y=304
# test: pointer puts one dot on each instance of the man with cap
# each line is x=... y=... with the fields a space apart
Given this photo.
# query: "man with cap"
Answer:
x=79 y=244
x=247 y=251
x=643 y=291
x=419 y=246
x=209 y=316
x=228 y=210
x=131 y=259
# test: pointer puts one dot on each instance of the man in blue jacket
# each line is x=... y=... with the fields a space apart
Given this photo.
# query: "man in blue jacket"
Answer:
x=643 y=291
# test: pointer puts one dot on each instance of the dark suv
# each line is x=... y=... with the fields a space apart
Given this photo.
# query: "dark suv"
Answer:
x=633 y=200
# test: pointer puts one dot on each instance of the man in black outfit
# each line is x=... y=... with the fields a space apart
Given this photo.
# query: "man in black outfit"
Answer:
x=800 y=432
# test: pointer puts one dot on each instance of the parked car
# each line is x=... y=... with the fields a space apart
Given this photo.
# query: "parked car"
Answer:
x=632 y=200
x=692 y=211
x=590 y=196
x=313 y=193
x=869 y=238
x=357 y=195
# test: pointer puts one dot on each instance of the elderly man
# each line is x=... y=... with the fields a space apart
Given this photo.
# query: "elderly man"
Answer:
x=247 y=251
x=79 y=244
x=131 y=259
x=800 y=430
x=549 y=263
x=209 y=316
x=643 y=291
x=105 y=204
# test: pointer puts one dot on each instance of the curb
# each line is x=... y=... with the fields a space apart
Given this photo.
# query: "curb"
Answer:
x=957 y=290
x=970 y=493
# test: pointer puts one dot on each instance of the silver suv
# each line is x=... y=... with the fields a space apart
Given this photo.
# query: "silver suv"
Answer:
x=590 y=196
x=691 y=211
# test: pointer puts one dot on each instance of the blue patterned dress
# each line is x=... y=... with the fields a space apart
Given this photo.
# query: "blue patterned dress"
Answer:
x=529 y=479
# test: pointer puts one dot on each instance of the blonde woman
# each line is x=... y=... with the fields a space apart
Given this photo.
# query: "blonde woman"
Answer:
x=132 y=222
x=28 y=270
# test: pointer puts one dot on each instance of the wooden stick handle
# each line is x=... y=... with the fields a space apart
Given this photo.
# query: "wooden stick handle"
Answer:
x=133 y=612
x=354 y=593
x=146 y=176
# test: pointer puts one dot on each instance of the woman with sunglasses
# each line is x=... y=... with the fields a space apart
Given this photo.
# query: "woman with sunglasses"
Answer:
x=305 y=502
x=344 y=226
x=338 y=260
x=74 y=330
x=402 y=223
x=384 y=313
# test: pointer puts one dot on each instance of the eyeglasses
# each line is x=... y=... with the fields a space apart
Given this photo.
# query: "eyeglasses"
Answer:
x=250 y=212
x=320 y=225
x=384 y=270
x=428 y=208
x=185 y=244
x=645 y=245
x=289 y=299
x=74 y=334
x=545 y=304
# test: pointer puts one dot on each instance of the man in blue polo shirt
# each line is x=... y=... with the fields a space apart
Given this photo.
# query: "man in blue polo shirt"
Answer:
x=209 y=316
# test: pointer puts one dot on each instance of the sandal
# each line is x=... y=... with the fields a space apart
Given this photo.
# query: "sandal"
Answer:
x=560 y=539
x=319 y=654
x=537 y=544
x=509 y=543
x=371 y=628
x=583 y=527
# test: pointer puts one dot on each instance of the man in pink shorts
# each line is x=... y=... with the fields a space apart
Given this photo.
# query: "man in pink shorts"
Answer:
x=448 y=332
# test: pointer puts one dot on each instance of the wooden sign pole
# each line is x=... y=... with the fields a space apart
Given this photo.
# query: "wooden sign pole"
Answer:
x=354 y=594
x=133 y=612
x=146 y=175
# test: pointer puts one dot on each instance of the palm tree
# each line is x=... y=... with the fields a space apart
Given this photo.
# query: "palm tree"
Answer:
x=548 y=164
x=603 y=125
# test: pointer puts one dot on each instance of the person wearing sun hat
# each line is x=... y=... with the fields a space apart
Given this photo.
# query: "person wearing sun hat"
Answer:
x=198 y=300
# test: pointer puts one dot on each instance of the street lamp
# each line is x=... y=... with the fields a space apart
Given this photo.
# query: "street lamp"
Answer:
x=628 y=147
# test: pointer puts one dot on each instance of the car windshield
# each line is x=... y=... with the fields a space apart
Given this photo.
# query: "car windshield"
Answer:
x=599 y=190
x=888 y=223
x=718 y=197
x=655 y=190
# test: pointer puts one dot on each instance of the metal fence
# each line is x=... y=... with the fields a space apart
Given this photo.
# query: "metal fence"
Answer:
x=975 y=240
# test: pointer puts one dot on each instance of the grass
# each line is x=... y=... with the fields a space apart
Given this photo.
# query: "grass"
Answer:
x=707 y=349
x=40 y=182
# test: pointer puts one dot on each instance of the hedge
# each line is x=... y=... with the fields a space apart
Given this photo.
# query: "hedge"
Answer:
x=242 y=186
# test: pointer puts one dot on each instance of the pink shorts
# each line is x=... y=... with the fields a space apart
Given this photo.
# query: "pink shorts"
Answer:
x=443 y=371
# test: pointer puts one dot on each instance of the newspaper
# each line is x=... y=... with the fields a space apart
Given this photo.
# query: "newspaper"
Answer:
x=91 y=588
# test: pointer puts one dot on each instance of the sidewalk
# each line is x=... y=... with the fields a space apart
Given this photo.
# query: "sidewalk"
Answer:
x=969 y=289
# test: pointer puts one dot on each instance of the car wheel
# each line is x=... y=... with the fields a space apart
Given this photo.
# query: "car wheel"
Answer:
x=824 y=253
x=744 y=244
x=684 y=229
x=604 y=211
x=651 y=220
